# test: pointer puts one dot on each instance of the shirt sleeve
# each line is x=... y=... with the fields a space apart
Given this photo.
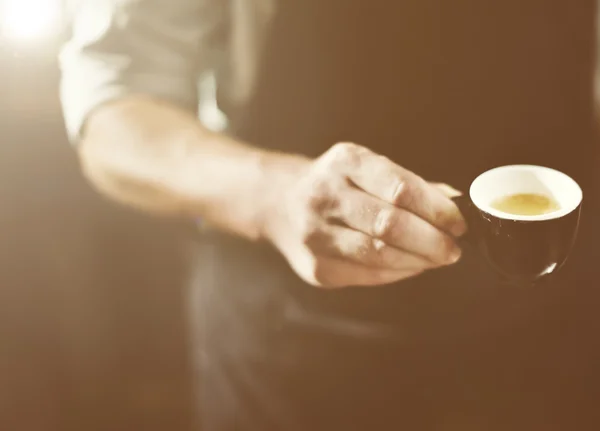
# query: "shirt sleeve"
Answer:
x=123 y=47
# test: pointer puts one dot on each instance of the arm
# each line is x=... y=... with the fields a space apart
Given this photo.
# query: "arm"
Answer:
x=129 y=92
x=129 y=77
x=155 y=156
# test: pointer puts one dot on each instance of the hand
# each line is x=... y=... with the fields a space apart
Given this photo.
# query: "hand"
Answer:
x=354 y=218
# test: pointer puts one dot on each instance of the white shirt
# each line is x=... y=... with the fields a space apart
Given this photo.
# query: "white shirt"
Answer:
x=178 y=50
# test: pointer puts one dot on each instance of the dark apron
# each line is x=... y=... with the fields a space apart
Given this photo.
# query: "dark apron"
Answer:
x=434 y=86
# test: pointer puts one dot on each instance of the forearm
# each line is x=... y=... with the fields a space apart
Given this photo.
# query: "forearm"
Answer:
x=159 y=158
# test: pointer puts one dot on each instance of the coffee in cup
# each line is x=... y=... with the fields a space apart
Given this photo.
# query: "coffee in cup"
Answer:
x=526 y=204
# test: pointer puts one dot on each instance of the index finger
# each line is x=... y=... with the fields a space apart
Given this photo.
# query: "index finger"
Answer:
x=382 y=178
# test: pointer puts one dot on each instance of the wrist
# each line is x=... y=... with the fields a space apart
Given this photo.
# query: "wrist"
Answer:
x=280 y=172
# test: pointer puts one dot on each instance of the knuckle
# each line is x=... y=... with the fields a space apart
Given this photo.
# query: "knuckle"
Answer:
x=402 y=193
x=379 y=246
x=368 y=249
x=379 y=251
x=363 y=249
x=406 y=192
x=345 y=153
x=386 y=223
x=372 y=251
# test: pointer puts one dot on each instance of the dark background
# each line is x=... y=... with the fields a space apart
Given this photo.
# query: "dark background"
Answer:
x=93 y=330
x=92 y=317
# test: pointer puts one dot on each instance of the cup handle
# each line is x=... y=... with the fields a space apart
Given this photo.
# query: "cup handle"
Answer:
x=466 y=207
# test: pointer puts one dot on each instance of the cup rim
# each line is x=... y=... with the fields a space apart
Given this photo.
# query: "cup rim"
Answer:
x=477 y=201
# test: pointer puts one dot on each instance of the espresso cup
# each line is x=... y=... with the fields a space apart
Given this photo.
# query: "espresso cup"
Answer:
x=522 y=249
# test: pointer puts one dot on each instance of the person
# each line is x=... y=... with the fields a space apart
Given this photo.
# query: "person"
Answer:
x=319 y=144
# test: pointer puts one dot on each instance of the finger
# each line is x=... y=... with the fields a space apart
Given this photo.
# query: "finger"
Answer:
x=447 y=190
x=357 y=247
x=337 y=273
x=382 y=178
x=396 y=227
